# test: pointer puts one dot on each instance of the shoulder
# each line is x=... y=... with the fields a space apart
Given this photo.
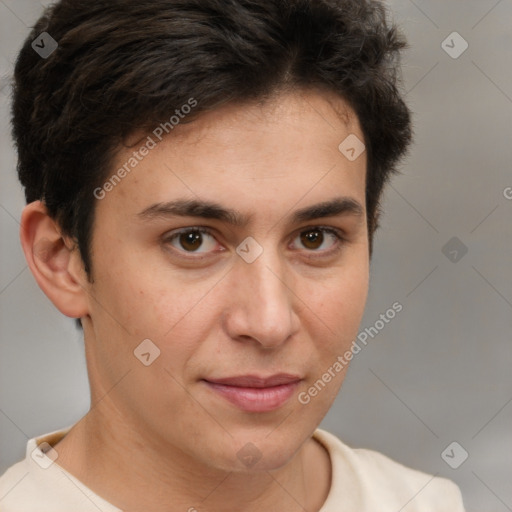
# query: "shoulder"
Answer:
x=38 y=484
x=381 y=483
x=21 y=489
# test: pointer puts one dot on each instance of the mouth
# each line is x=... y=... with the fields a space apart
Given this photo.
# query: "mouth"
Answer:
x=252 y=393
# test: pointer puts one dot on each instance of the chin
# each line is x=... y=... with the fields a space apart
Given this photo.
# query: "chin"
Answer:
x=254 y=452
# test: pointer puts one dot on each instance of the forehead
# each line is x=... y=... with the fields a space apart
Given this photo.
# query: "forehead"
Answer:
x=247 y=156
x=324 y=109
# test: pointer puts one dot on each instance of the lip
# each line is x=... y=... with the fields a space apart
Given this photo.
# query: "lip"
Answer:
x=253 y=393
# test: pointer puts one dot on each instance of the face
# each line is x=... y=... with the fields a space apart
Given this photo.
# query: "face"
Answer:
x=247 y=302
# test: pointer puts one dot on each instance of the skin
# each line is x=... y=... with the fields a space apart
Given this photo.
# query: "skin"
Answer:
x=158 y=434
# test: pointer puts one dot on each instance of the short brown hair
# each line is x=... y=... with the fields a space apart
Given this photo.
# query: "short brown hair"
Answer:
x=125 y=65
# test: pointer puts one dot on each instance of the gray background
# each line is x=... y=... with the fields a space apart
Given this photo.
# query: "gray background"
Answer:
x=440 y=370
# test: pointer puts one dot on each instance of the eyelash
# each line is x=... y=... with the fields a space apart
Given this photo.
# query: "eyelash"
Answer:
x=337 y=233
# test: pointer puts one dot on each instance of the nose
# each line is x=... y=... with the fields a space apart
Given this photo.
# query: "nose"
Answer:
x=261 y=302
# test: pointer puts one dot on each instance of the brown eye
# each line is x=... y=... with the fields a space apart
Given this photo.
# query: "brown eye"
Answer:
x=317 y=239
x=190 y=240
x=312 y=239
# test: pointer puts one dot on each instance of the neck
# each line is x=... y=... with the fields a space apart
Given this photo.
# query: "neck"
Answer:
x=114 y=461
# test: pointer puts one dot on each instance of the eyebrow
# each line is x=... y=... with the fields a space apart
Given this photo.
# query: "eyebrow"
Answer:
x=339 y=206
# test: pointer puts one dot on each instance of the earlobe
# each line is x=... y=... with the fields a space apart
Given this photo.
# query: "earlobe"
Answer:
x=52 y=259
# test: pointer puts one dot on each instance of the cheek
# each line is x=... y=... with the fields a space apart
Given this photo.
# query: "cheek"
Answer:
x=352 y=298
x=338 y=309
x=340 y=300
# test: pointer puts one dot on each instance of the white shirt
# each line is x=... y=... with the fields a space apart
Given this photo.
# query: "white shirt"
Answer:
x=362 y=481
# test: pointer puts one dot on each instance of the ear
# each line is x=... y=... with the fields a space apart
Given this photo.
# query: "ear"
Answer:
x=54 y=261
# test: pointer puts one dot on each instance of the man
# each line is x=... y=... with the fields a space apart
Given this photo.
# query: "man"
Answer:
x=203 y=181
